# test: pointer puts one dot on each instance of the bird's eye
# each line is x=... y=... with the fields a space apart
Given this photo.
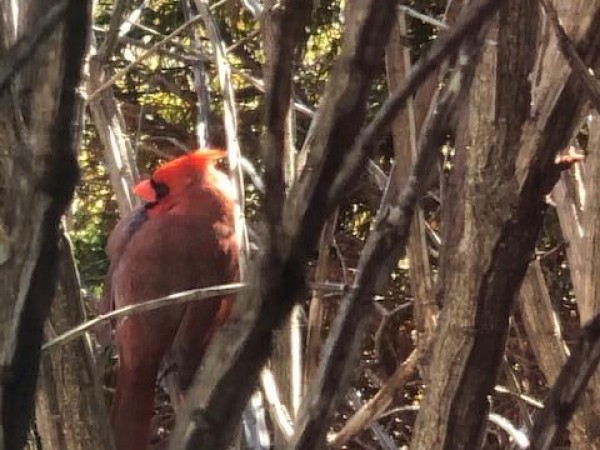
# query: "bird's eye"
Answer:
x=161 y=189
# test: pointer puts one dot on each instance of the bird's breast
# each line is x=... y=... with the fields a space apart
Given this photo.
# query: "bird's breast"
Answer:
x=173 y=254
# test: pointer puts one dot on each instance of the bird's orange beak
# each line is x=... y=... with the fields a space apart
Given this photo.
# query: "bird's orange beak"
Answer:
x=145 y=190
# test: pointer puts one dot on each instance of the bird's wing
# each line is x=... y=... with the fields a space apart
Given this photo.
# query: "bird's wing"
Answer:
x=117 y=242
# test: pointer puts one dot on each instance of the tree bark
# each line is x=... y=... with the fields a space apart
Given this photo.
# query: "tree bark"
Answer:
x=281 y=31
x=506 y=147
x=70 y=410
x=576 y=198
x=551 y=352
x=38 y=173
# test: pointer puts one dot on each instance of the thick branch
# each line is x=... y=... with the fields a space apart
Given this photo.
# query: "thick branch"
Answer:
x=282 y=25
x=591 y=84
x=71 y=413
x=506 y=154
x=39 y=184
x=468 y=23
x=232 y=364
x=383 y=246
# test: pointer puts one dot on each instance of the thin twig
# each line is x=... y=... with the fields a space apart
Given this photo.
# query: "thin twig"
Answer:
x=423 y=17
x=172 y=300
x=518 y=437
x=259 y=84
x=200 y=84
x=525 y=398
x=242 y=41
x=386 y=442
x=218 y=4
x=151 y=305
x=132 y=19
x=373 y=408
x=201 y=55
x=184 y=55
x=121 y=73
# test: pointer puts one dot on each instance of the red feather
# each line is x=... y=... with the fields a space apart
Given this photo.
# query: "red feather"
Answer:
x=182 y=239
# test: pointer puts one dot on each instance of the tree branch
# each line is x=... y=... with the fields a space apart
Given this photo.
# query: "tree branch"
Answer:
x=384 y=244
x=591 y=84
x=376 y=405
x=566 y=392
x=112 y=36
x=231 y=366
x=121 y=73
x=231 y=127
x=447 y=45
x=200 y=84
x=151 y=305
x=282 y=24
x=36 y=200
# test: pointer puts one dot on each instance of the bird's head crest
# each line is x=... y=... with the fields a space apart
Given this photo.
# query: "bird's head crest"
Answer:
x=177 y=173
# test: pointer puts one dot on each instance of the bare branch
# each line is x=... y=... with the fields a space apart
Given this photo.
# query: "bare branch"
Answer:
x=282 y=25
x=39 y=173
x=385 y=440
x=299 y=106
x=231 y=127
x=564 y=395
x=381 y=250
x=151 y=305
x=110 y=125
x=112 y=36
x=170 y=300
x=591 y=84
x=121 y=73
x=71 y=411
x=519 y=438
x=480 y=289
x=316 y=312
x=423 y=17
x=278 y=410
x=475 y=16
x=200 y=84
x=524 y=398
x=238 y=353
x=373 y=408
x=185 y=55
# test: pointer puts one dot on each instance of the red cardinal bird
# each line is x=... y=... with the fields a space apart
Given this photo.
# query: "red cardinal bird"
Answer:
x=183 y=238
